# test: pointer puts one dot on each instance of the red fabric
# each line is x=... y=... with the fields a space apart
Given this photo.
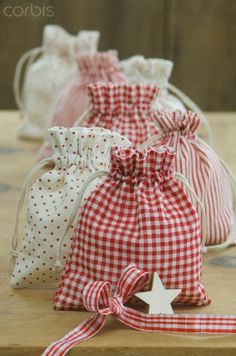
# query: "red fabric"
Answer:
x=203 y=169
x=98 y=298
x=140 y=214
x=74 y=99
x=124 y=108
x=93 y=67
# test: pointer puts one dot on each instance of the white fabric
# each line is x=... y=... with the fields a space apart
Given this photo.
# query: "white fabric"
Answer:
x=77 y=153
x=47 y=76
x=155 y=71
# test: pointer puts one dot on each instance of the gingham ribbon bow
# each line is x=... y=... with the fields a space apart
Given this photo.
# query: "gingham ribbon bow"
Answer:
x=97 y=297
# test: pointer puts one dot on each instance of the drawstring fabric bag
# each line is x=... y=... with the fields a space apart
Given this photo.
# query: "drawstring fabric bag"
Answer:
x=124 y=108
x=54 y=201
x=205 y=171
x=74 y=100
x=157 y=71
x=102 y=300
x=139 y=214
x=48 y=70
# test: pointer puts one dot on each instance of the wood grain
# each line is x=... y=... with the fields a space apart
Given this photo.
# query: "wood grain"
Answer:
x=28 y=322
x=201 y=42
x=198 y=35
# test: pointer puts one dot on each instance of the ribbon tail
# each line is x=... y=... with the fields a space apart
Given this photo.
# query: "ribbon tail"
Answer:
x=179 y=323
x=87 y=329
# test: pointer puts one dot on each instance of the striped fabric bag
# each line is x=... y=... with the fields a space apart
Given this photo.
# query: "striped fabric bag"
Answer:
x=140 y=214
x=207 y=174
x=74 y=100
x=157 y=71
x=124 y=108
x=48 y=69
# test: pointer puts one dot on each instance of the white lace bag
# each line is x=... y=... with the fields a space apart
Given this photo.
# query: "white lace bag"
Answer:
x=54 y=201
x=45 y=76
x=157 y=71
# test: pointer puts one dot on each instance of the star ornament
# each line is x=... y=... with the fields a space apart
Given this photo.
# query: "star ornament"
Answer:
x=158 y=298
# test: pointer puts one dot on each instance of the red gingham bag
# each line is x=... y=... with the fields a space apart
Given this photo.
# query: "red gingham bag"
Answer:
x=124 y=108
x=74 y=100
x=102 y=300
x=140 y=214
x=204 y=170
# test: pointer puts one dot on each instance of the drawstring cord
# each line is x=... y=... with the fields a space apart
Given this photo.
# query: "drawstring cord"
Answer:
x=80 y=119
x=185 y=182
x=58 y=264
x=151 y=141
x=232 y=232
x=28 y=57
x=24 y=189
x=190 y=104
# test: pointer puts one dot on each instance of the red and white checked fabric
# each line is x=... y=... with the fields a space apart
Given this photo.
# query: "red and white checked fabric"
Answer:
x=198 y=162
x=74 y=99
x=124 y=108
x=140 y=214
x=98 y=298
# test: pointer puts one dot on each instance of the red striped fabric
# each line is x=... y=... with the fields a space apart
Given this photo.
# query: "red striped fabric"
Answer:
x=140 y=214
x=201 y=166
x=124 y=108
x=98 y=298
x=74 y=100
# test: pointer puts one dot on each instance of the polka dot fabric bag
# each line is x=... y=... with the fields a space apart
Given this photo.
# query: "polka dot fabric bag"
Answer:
x=205 y=171
x=74 y=99
x=48 y=70
x=123 y=108
x=140 y=214
x=54 y=201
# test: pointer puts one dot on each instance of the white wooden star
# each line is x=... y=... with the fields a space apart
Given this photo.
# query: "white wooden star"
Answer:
x=158 y=298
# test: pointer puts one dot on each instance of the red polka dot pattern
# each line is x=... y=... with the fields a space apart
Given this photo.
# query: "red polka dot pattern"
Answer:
x=77 y=153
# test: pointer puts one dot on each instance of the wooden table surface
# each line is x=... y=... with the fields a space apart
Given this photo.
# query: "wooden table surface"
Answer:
x=27 y=321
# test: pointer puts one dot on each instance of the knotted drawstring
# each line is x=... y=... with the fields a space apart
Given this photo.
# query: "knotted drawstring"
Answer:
x=28 y=57
x=35 y=170
x=190 y=104
x=77 y=206
x=232 y=234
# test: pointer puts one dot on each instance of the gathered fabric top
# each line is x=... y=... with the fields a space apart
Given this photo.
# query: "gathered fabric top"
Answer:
x=147 y=70
x=100 y=66
x=56 y=40
x=84 y=146
x=87 y=41
x=134 y=164
x=186 y=123
x=121 y=98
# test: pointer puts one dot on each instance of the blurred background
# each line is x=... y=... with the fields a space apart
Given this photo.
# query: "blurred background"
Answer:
x=198 y=35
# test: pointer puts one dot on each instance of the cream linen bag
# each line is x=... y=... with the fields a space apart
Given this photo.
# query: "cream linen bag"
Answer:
x=54 y=201
x=45 y=78
x=157 y=71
